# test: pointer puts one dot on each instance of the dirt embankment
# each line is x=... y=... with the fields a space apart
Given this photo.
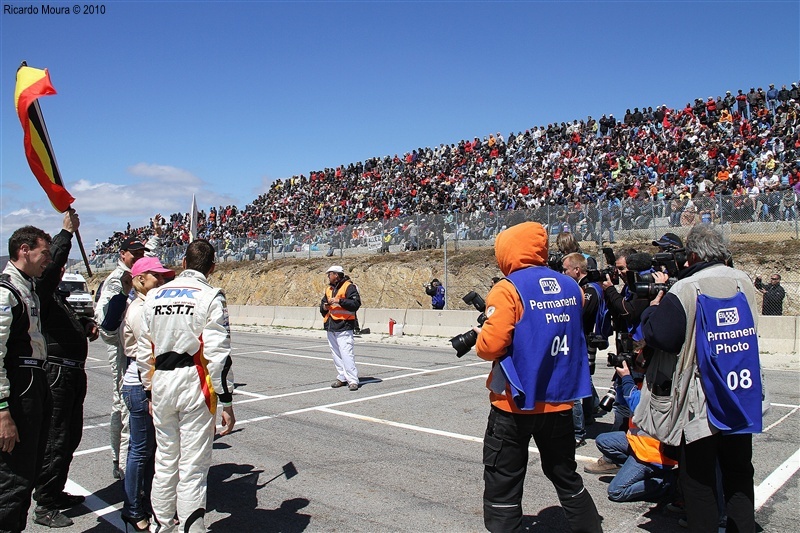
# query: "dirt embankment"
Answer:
x=396 y=280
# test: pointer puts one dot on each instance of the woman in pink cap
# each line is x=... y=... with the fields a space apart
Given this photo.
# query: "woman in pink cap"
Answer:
x=147 y=273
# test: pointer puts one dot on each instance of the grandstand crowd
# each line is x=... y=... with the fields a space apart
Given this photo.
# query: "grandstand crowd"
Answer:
x=601 y=175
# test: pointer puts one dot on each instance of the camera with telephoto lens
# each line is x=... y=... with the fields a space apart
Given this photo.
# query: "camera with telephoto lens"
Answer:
x=644 y=285
x=672 y=260
x=464 y=342
x=607 y=401
x=625 y=354
x=599 y=276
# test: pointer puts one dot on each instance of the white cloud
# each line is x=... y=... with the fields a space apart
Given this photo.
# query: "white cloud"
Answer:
x=166 y=174
x=106 y=207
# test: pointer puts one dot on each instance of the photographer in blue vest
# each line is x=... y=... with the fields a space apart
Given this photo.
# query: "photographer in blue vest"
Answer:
x=703 y=388
x=435 y=290
x=533 y=334
x=575 y=266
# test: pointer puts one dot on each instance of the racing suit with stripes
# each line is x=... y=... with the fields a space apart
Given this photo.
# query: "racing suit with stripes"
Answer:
x=184 y=360
x=24 y=392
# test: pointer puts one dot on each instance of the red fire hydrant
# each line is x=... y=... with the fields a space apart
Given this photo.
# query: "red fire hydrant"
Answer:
x=392 y=322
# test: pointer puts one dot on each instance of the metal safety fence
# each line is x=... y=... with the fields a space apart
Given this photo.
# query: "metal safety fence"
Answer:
x=761 y=225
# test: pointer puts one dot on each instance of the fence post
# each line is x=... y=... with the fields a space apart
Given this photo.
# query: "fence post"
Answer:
x=446 y=285
x=653 y=218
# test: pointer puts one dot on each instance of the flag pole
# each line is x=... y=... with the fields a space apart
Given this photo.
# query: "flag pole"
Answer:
x=83 y=253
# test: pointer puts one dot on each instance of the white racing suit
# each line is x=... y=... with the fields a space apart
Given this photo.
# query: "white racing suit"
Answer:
x=110 y=334
x=184 y=360
x=118 y=430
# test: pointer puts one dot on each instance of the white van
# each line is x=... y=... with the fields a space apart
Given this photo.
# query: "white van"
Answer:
x=79 y=297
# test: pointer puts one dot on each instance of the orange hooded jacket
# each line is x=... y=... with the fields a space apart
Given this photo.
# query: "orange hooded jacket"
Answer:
x=517 y=247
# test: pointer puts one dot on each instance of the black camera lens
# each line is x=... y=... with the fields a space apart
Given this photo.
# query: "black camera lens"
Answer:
x=607 y=402
x=464 y=342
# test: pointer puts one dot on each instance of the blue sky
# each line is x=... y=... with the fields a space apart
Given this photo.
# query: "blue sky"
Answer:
x=161 y=100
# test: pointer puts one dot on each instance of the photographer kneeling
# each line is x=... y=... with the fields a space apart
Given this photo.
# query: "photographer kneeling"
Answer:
x=643 y=471
x=534 y=338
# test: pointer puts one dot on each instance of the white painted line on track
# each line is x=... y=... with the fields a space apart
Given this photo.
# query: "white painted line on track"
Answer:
x=781 y=419
x=95 y=426
x=96 y=505
x=95 y=359
x=784 y=405
x=92 y=450
x=309 y=347
x=360 y=362
x=430 y=431
x=235 y=353
x=776 y=479
x=402 y=425
x=253 y=394
x=378 y=380
x=355 y=400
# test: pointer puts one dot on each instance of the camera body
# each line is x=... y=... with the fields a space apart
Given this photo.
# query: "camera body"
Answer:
x=599 y=276
x=597 y=341
x=554 y=261
x=463 y=342
x=616 y=360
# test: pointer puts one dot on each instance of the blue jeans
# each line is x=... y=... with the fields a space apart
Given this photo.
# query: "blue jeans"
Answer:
x=583 y=413
x=577 y=420
x=636 y=481
x=140 y=467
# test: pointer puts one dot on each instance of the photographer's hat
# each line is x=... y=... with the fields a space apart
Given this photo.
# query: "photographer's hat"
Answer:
x=669 y=240
x=335 y=268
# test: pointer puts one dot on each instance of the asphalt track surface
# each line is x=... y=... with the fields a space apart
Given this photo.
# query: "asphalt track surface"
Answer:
x=403 y=453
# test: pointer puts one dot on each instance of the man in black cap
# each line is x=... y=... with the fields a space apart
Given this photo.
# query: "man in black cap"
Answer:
x=112 y=301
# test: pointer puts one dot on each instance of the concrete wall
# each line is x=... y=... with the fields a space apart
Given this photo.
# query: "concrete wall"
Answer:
x=777 y=334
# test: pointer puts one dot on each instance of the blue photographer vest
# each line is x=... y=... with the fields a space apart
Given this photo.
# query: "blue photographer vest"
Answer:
x=547 y=360
x=730 y=370
x=602 y=321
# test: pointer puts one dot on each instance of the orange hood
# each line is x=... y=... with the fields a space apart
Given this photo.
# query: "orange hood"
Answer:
x=521 y=246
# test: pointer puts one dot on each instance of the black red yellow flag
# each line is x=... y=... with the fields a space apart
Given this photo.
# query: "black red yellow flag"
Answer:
x=31 y=84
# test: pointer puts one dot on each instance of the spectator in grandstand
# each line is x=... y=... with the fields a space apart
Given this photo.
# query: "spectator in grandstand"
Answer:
x=480 y=179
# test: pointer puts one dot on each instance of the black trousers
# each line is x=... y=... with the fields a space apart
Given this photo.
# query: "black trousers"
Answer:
x=698 y=478
x=68 y=389
x=30 y=406
x=505 y=459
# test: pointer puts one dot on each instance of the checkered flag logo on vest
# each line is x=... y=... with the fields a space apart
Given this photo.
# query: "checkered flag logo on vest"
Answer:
x=728 y=316
x=550 y=286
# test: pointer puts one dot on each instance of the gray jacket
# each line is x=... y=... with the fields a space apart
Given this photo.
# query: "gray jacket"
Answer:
x=680 y=409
